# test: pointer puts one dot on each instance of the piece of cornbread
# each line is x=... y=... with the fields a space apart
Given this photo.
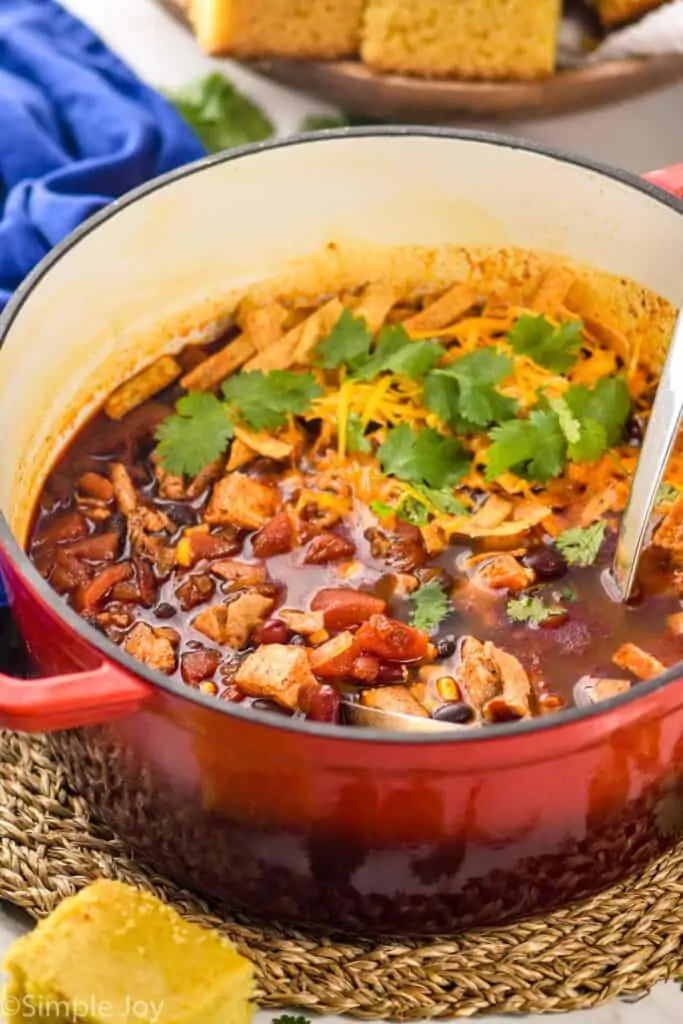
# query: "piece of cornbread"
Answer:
x=614 y=12
x=281 y=28
x=115 y=955
x=487 y=39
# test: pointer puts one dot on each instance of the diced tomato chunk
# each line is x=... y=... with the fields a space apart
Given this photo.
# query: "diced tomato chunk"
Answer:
x=335 y=658
x=213 y=545
x=392 y=640
x=366 y=668
x=343 y=607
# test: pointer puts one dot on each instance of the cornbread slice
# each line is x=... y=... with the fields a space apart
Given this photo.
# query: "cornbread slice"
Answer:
x=487 y=39
x=115 y=955
x=614 y=12
x=281 y=28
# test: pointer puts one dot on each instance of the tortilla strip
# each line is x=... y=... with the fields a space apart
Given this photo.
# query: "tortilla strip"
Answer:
x=376 y=304
x=442 y=313
x=553 y=289
x=144 y=385
x=297 y=345
x=264 y=325
x=264 y=444
x=219 y=366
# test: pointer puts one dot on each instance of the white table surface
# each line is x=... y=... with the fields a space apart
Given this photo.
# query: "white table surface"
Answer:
x=642 y=134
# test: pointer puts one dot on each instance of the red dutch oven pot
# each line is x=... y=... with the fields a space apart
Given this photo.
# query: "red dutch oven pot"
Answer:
x=350 y=828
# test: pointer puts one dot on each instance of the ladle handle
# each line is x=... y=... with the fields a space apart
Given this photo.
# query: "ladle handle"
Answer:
x=660 y=437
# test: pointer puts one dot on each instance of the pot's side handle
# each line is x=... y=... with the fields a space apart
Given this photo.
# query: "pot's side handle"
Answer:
x=65 y=702
x=669 y=178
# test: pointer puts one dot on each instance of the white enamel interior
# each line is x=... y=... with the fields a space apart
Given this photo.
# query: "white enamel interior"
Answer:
x=236 y=222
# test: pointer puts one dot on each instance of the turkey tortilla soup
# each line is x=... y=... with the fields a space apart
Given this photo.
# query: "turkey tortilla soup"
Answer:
x=408 y=501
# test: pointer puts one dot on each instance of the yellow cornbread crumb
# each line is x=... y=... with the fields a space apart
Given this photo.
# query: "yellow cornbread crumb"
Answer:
x=283 y=28
x=614 y=12
x=115 y=955
x=487 y=39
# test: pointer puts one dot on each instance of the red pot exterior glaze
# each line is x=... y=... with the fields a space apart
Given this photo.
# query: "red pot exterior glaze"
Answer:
x=338 y=828
x=381 y=836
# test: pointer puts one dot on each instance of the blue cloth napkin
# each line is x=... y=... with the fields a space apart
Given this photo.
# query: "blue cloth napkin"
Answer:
x=77 y=130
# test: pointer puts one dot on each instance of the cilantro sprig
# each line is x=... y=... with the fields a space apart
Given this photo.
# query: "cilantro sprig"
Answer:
x=582 y=546
x=578 y=427
x=199 y=430
x=424 y=458
x=463 y=394
x=530 y=610
x=430 y=606
x=220 y=115
x=555 y=348
x=350 y=344
x=196 y=435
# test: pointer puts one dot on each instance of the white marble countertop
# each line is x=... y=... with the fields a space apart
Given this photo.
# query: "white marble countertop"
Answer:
x=642 y=134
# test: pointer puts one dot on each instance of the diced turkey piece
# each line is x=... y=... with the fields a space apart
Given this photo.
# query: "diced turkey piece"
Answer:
x=504 y=572
x=242 y=502
x=304 y=623
x=639 y=662
x=515 y=700
x=232 y=624
x=395 y=699
x=278 y=672
x=597 y=689
x=124 y=490
x=669 y=533
x=240 y=574
x=477 y=674
x=156 y=648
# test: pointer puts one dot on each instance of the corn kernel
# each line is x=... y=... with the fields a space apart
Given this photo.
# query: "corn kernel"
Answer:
x=319 y=637
x=447 y=688
x=183 y=552
x=209 y=688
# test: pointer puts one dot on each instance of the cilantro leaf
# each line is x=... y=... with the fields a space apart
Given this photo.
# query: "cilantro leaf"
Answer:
x=666 y=494
x=412 y=511
x=195 y=435
x=582 y=546
x=220 y=115
x=382 y=510
x=529 y=609
x=430 y=606
x=570 y=427
x=356 y=441
x=265 y=400
x=444 y=500
x=555 y=348
x=569 y=595
x=591 y=444
x=535 y=448
x=348 y=342
x=608 y=403
x=464 y=390
x=426 y=457
x=396 y=352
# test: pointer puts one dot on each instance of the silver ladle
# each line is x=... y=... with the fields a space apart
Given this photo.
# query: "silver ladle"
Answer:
x=376 y=718
x=660 y=438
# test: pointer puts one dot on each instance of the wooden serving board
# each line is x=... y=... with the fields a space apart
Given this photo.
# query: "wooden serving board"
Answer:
x=359 y=91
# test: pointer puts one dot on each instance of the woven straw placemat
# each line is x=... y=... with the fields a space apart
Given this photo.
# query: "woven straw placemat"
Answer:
x=618 y=944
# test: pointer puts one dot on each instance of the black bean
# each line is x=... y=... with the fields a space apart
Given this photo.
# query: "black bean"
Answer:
x=116 y=523
x=165 y=610
x=634 y=432
x=297 y=641
x=182 y=515
x=547 y=562
x=453 y=711
x=446 y=647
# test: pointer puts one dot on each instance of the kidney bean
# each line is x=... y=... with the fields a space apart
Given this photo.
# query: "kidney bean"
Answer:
x=343 y=607
x=323 y=704
x=277 y=537
x=547 y=562
x=365 y=668
x=328 y=547
x=196 y=666
x=272 y=631
x=233 y=694
x=390 y=672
